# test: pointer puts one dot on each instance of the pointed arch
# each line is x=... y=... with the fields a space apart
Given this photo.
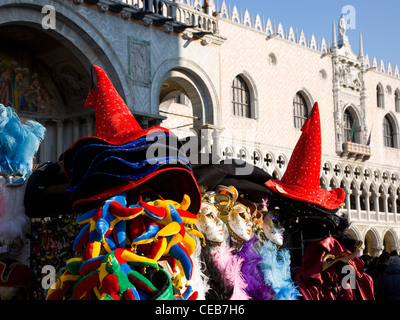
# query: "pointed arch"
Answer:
x=397 y=100
x=372 y=199
x=398 y=201
x=302 y=105
x=276 y=175
x=249 y=85
x=355 y=234
x=382 y=198
x=324 y=183
x=353 y=195
x=380 y=96
x=352 y=124
x=390 y=241
x=391 y=198
x=391 y=131
x=363 y=196
x=373 y=242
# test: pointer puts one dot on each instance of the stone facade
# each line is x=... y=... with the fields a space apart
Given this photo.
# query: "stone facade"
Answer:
x=174 y=63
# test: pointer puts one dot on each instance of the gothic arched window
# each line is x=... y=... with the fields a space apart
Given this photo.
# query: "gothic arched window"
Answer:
x=372 y=198
x=363 y=198
x=382 y=199
x=353 y=196
x=241 y=98
x=380 y=95
x=397 y=100
x=388 y=133
x=300 y=110
x=349 y=127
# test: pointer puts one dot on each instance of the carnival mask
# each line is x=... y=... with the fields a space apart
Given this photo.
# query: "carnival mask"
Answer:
x=14 y=179
x=272 y=228
x=240 y=222
x=210 y=224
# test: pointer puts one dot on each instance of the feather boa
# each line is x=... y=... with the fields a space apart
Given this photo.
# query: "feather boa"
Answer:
x=275 y=266
x=230 y=265
x=257 y=289
x=18 y=142
x=219 y=290
x=200 y=281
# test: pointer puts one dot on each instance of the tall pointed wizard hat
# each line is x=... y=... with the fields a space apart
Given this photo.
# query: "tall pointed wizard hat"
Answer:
x=123 y=156
x=301 y=180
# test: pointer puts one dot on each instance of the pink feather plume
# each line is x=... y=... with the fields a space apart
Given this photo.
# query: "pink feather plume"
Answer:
x=230 y=266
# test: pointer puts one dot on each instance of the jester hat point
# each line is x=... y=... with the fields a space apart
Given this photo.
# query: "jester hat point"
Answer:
x=116 y=159
x=301 y=180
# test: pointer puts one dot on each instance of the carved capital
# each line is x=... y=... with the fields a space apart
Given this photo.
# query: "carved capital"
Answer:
x=187 y=36
x=125 y=14
x=102 y=7
x=168 y=27
x=147 y=21
x=205 y=42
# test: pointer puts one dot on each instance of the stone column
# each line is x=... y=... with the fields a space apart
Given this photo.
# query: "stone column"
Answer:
x=216 y=136
x=385 y=206
x=358 y=206
x=75 y=129
x=60 y=146
x=148 y=5
x=376 y=204
x=367 y=208
x=348 y=203
x=41 y=154
x=89 y=126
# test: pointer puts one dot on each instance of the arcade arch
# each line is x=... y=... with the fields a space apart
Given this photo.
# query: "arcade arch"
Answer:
x=47 y=72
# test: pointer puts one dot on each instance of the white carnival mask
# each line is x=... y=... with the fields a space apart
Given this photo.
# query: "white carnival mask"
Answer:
x=272 y=230
x=240 y=222
x=209 y=223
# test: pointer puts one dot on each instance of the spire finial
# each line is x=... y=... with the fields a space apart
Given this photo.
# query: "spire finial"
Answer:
x=334 y=43
x=361 y=46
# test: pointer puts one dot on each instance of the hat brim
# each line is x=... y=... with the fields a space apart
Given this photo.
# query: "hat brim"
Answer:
x=227 y=173
x=69 y=154
x=97 y=169
x=330 y=200
x=168 y=183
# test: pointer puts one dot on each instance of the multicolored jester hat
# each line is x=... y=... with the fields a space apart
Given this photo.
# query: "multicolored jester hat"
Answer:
x=123 y=237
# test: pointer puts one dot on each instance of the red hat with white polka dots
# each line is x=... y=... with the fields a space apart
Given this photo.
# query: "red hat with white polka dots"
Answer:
x=114 y=121
x=301 y=180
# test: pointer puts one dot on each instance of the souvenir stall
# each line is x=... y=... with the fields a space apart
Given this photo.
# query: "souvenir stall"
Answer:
x=124 y=215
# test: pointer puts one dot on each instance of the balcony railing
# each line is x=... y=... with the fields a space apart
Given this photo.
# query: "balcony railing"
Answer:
x=357 y=151
x=174 y=15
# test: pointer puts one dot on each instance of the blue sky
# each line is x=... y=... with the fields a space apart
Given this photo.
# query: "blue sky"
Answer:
x=379 y=21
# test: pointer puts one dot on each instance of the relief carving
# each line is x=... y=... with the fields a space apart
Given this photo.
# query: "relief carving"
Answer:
x=139 y=62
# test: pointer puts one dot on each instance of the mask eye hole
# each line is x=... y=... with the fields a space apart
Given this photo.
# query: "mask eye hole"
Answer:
x=210 y=215
x=242 y=215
